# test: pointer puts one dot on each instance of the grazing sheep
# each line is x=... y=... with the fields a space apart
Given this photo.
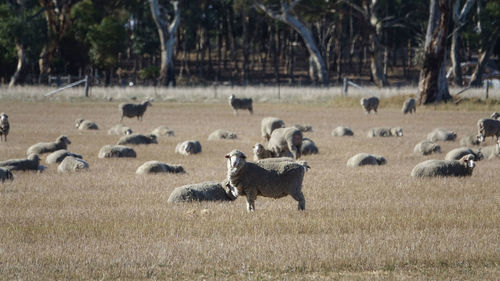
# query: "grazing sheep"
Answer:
x=268 y=125
x=162 y=131
x=6 y=175
x=409 y=106
x=488 y=127
x=469 y=141
x=342 y=131
x=370 y=104
x=154 y=167
x=120 y=130
x=259 y=152
x=304 y=127
x=137 y=139
x=491 y=151
x=427 y=147
x=222 y=135
x=82 y=124
x=385 y=132
x=72 y=164
x=4 y=126
x=188 y=147
x=273 y=179
x=439 y=134
x=116 y=151
x=495 y=115
x=205 y=191
x=308 y=147
x=46 y=147
x=240 y=103
x=32 y=163
x=285 y=140
x=445 y=168
x=362 y=159
x=457 y=153
x=59 y=155
x=132 y=110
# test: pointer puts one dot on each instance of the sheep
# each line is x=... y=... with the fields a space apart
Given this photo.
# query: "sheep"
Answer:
x=342 y=131
x=457 y=153
x=205 y=191
x=4 y=126
x=362 y=159
x=116 y=151
x=440 y=134
x=304 y=127
x=82 y=124
x=188 y=147
x=491 y=151
x=72 y=164
x=273 y=179
x=469 y=140
x=308 y=147
x=240 y=103
x=268 y=125
x=426 y=147
x=409 y=106
x=445 y=168
x=285 y=140
x=47 y=147
x=259 y=152
x=488 y=127
x=495 y=115
x=222 y=135
x=154 y=167
x=59 y=155
x=385 y=132
x=6 y=175
x=370 y=104
x=120 y=130
x=132 y=110
x=32 y=163
x=137 y=139
x=162 y=131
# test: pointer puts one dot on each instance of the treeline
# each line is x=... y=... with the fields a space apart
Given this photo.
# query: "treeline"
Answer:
x=242 y=42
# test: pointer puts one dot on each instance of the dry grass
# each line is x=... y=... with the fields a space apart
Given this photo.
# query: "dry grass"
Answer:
x=373 y=223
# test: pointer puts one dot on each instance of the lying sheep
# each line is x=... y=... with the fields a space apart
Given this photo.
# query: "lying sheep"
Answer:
x=370 y=104
x=120 y=130
x=59 y=155
x=285 y=140
x=137 y=139
x=132 y=110
x=495 y=115
x=409 y=106
x=488 y=127
x=205 y=191
x=440 y=134
x=268 y=125
x=82 y=124
x=491 y=151
x=162 y=131
x=240 y=103
x=46 y=147
x=308 y=147
x=445 y=168
x=154 y=167
x=362 y=159
x=222 y=135
x=31 y=163
x=72 y=164
x=457 y=153
x=4 y=126
x=385 y=132
x=259 y=152
x=116 y=151
x=342 y=131
x=469 y=141
x=188 y=147
x=273 y=179
x=6 y=175
x=304 y=127
x=427 y=147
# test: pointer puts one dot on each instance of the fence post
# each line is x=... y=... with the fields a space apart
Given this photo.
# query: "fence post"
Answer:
x=346 y=85
x=487 y=87
x=87 y=86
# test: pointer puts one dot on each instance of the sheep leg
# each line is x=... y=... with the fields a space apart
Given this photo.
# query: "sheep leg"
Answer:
x=251 y=197
x=300 y=198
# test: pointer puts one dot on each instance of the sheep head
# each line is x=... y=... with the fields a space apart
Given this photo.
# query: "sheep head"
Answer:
x=235 y=160
x=231 y=97
x=397 y=131
x=468 y=161
x=258 y=148
x=3 y=117
x=78 y=122
x=63 y=139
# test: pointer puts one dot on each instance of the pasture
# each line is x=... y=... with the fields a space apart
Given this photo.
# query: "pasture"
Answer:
x=369 y=223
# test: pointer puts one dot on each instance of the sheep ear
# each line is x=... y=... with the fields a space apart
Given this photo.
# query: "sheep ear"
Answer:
x=227 y=156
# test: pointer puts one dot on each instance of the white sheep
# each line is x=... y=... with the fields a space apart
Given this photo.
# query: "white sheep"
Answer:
x=120 y=130
x=132 y=110
x=46 y=147
x=370 y=104
x=385 y=132
x=308 y=147
x=162 y=131
x=272 y=178
x=188 y=147
x=488 y=127
x=222 y=135
x=260 y=152
x=491 y=151
x=268 y=125
x=205 y=191
x=284 y=140
x=445 y=168
x=469 y=140
x=240 y=103
x=458 y=153
x=72 y=164
x=440 y=134
x=116 y=151
x=82 y=124
x=5 y=174
x=155 y=167
x=426 y=147
x=137 y=139
x=409 y=106
x=341 y=131
x=4 y=126
x=31 y=163
x=59 y=155
x=362 y=159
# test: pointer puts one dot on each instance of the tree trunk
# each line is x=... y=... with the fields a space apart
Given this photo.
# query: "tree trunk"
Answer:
x=476 y=79
x=21 y=62
x=459 y=20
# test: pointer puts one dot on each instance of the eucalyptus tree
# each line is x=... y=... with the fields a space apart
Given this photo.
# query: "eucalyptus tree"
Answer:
x=459 y=19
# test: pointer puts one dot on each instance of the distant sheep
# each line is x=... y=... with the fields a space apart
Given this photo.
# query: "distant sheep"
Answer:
x=409 y=106
x=31 y=163
x=137 y=139
x=342 y=131
x=268 y=125
x=457 y=153
x=162 y=131
x=426 y=147
x=222 y=135
x=308 y=147
x=440 y=134
x=72 y=164
x=188 y=147
x=469 y=141
x=488 y=127
x=59 y=155
x=370 y=104
x=116 y=151
x=362 y=159
x=155 y=167
x=491 y=151
x=285 y=140
x=6 y=175
x=120 y=130
x=385 y=132
x=445 y=168
x=205 y=191
x=82 y=124
x=260 y=152
x=304 y=127
x=240 y=103
x=132 y=110
x=46 y=147
x=4 y=126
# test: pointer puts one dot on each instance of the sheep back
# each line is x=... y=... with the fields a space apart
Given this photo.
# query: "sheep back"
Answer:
x=385 y=132
x=72 y=164
x=362 y=159
x=58 y=155
x=426 y=147
x=154 y=167
x=304 y=127
x=131 y=110
x=222 y=135
x=188 y=147
x=440 y=134
x=409 y=106
x=342 y=131
x=491 y=151
x=118 y=151
x=32 y=162
x=268 y=125
x=444 y=168
x=137 y=139
x=488 y=127
x=457 y=153
x=285 y=140
x=205 y=191
x=469 y=141
x=82 y=124
x=46 y=147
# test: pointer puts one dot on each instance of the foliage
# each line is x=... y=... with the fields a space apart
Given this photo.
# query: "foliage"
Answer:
x=107 y=40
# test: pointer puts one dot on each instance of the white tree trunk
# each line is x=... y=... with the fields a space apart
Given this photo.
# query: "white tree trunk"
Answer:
x=459 y=20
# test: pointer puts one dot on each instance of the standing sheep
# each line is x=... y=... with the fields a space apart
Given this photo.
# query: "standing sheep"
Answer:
x=308 y=147
x=259 y=152
x=162 y=131
x=445 y=168
x=137 y=139
x=46 y=147
x=440 y=134
x=132 y=110
x=240 y=103
x=116 y=151
x=72 y=164
x=154 y=167
x=362 y=159
x=426 y=147
x=285 y=140
x=82 y=124
x=188 y=147
x=205 y=191
x=268 y=125
x=222 y=135
x=488 y=127
x=457 y=153
x=385 y=132
x=409 y=106
x=273 y=179
x=6 y=175
x=32 y=163
x=370 y=104
x=59 y=155
x=120 y=130
x=4 y=126
x=342 y=131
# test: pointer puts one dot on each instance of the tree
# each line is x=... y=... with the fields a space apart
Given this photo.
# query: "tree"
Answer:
x=459 y=18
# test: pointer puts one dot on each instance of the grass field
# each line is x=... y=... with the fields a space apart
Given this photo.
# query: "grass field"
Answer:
x=373 y=223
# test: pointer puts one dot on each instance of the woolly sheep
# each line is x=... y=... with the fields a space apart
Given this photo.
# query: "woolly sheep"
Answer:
x=457 y=153
x=132 y=110
x=440 y=134
x=32 y=163
x=342 y=131
x=427 y=147
x=268 y=125
x=188 y=147
x=488 y=127
x=370 y=104
x=285 y=140
x=4 y=126
x=445 y=168
x=137 y=139
x=205 y=191
x=362 y=159
x=304 y=127
x=46 y=147
x=120 y=130
x=154 y=167
x=72 y=164
x=469 y=141
x=491 y=151
x=222 y=135
x=308 y=147
x=495 y=115
x=6 y=175
x=116 y=151
x=259 y=152
x=273 y=179
x=82 y=124
x=409 y=106
x=162 y=131
x=385 y=132
x=240 y=103
x=59 y=155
